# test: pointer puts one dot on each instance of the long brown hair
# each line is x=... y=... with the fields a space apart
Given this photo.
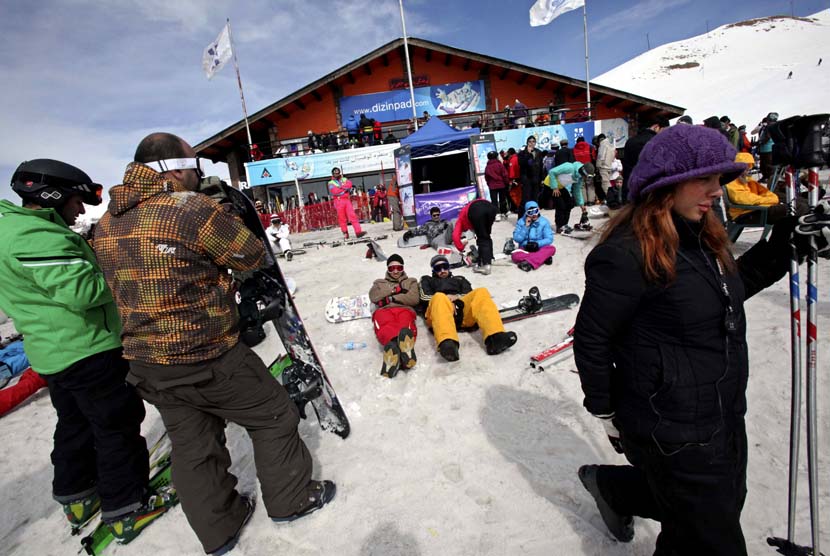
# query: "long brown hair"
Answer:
x=651 y=223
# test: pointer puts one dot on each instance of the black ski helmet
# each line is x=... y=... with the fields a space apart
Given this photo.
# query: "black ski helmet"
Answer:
x=49 y=183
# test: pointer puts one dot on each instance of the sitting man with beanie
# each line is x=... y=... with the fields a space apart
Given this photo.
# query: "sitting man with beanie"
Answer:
x=534 y=237
x=452 y=303
x=396 y=296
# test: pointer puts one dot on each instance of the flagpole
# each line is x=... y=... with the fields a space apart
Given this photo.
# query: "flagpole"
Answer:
x=408 y=68
x=239 y=82
x=587 y=73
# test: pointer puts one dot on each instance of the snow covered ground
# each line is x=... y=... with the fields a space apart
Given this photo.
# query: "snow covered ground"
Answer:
x=739 y=70
x=477 y=457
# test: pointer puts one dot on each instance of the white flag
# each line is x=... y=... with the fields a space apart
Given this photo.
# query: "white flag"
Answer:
x=545 y=11
x=217 y=53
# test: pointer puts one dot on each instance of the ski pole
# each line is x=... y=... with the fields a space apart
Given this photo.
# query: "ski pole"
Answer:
x=812 y=360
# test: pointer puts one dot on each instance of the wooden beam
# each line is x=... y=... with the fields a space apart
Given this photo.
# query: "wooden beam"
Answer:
x=596 y=97
x=560 y=89
x=541 y=83
x=504 y=73
x=317 y=96
x=300 y=103
x=613 y=102
x=577 y=93
x=466 y=64
x=522 y=79
x=447 y=59
x=385 y=59
x=367 y=68
x=350 y=77
x=485 y=71
x=282 y=112
x=428 y=55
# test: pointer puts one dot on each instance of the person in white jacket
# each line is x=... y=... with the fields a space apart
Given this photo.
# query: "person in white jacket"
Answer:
x=278 y=235
x=606 y=153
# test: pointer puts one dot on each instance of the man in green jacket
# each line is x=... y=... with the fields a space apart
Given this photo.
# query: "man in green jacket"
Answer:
x=54 y=290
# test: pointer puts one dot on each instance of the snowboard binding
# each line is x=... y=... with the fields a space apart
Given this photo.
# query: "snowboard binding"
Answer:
x=532 y=302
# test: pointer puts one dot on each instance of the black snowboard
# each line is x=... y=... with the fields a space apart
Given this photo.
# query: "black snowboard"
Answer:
x=264 y=296
x=533 y=305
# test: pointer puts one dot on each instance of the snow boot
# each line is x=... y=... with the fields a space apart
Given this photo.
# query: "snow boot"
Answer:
x=361 y=234
x=564 y=229
x=448 y=350
x=288 y=256
x=509 y=246
x=127 y=527
x=322 y=493
x=482 y=269
x=228 y=546
x=391 y=359
x=621 y=526
x=345 y=235
x=526 y=266
x=79 y=512
x=549 y=260
x=406 y=345
x=499 y=342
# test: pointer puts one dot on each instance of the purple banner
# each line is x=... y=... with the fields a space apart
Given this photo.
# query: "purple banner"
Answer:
x=450 y=202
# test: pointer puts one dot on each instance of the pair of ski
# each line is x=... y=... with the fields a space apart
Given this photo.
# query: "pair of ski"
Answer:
x=802 y=140
x=553 y=355
x=101 y=537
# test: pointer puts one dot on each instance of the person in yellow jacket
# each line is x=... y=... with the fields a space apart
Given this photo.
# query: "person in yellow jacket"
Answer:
x=746 y=191
x=453 y=304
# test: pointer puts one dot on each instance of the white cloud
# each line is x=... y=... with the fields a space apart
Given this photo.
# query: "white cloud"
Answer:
x=635 y=15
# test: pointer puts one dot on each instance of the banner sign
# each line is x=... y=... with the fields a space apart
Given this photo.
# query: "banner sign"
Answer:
x=546 y=136
x=403 y=82
x=403 y=173
x=480 y=145
x=318 y=166
x=615 y=129
x=437 y=100
x=450 y=203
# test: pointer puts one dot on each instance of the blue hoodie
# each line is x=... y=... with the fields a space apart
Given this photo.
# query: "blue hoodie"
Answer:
x=539 y=230
x=351 y=125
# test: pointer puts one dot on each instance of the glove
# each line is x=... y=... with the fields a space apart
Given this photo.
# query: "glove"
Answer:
x=817 y=224
x=531 y=246
x=779 y=239
x=398 y=289
x=612 y=432
x=407 y=235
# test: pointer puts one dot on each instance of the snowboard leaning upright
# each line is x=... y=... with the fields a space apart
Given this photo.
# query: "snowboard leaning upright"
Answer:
x=264 y=298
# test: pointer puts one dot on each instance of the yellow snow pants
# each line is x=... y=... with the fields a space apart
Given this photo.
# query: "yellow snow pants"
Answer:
x=479 y=308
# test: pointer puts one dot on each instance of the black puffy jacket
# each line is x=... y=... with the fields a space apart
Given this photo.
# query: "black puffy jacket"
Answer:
x=659 y=356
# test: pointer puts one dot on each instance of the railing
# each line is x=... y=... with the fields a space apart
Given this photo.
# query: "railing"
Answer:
x=322 y=215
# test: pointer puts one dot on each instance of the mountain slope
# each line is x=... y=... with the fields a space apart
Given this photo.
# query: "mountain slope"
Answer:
x=739 y=70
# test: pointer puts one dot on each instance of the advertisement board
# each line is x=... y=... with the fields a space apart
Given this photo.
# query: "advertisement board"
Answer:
x=450 y=202
x=480 y=145
x=545 y=135
x=403 y=172
x=436 y=100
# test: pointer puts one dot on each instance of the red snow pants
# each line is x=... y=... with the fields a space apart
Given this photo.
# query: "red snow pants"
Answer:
x=389 y=321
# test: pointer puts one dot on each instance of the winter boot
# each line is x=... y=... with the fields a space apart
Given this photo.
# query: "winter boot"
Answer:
x=391 y=359
x=228 y=546
x=448 y=350
x=361 y=234
x=406 y=345
x=621 y=526
x=565 y=230
x=509 y=246
x=346 y=235
x=127 y=527
x=549 y=260
x=322 y=492
x=79 y=512
x=288 y=256
x=499 y=342
x=526 y=266
x=482 y=269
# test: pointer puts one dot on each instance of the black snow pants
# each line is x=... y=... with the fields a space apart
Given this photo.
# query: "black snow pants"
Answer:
x=98 y=442
x=696 y=494
x=563 y=204
x=482 y=215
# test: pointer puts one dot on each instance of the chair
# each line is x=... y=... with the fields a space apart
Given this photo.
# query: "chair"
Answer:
x=733 y=228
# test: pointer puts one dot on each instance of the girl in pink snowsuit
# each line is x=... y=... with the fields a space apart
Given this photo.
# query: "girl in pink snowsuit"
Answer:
x=340 y=190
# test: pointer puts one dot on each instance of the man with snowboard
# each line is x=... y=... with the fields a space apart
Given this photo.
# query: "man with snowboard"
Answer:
x=165 y=250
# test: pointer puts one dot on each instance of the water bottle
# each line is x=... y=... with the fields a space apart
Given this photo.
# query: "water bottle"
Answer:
x=349 y=346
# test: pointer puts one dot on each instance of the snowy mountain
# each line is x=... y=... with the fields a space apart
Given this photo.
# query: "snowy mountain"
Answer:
x=739 y=70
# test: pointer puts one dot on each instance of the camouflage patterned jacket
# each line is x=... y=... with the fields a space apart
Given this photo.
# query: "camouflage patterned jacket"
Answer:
x=165 y=253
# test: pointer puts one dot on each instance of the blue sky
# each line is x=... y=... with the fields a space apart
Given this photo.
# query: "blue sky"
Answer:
x=85 y=80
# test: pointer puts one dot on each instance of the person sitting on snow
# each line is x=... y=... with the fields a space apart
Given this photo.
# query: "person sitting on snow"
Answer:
x=396 y=296
x=437 y=231
x=452 y=303
x=567 y=181
x=534 y=237
x=746 y=191
x=278 y=233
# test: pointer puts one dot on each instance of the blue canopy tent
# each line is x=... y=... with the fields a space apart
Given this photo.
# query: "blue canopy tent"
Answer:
x=436 y=137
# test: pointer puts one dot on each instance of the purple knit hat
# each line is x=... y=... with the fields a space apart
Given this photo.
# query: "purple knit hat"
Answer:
x=680 y=153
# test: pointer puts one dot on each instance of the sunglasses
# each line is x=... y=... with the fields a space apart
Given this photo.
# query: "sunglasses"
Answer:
x=395 y=268
x=441 y=267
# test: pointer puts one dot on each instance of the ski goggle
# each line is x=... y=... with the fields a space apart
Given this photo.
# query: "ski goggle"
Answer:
x=441 y=267
x=532 y=211
x=395 y=268
x=170 y=164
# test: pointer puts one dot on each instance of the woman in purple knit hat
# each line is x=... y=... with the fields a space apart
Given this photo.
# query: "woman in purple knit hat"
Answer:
x=660 y=344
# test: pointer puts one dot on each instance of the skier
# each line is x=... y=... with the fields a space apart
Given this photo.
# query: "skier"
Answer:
x=165 y=250
x=438 y=232
x=477 y=215
x=660 y=345
x=535 y=239
x=278 y=233
x=452 y=303
x=396 y=296
x=57 y=296
x=567 y=182
x=340 y=190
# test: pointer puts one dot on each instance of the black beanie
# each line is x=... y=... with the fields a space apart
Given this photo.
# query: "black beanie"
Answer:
x=438 y=259
x=394 y=258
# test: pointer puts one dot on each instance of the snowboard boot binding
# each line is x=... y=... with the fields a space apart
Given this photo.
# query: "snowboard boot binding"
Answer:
x=621 y=526
x=79 y=512
x=391 y=359
x=449 y=350
x=320 y=494
x=499 y=342
x=127 y=527
x=406 y=346
x=532 y=302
